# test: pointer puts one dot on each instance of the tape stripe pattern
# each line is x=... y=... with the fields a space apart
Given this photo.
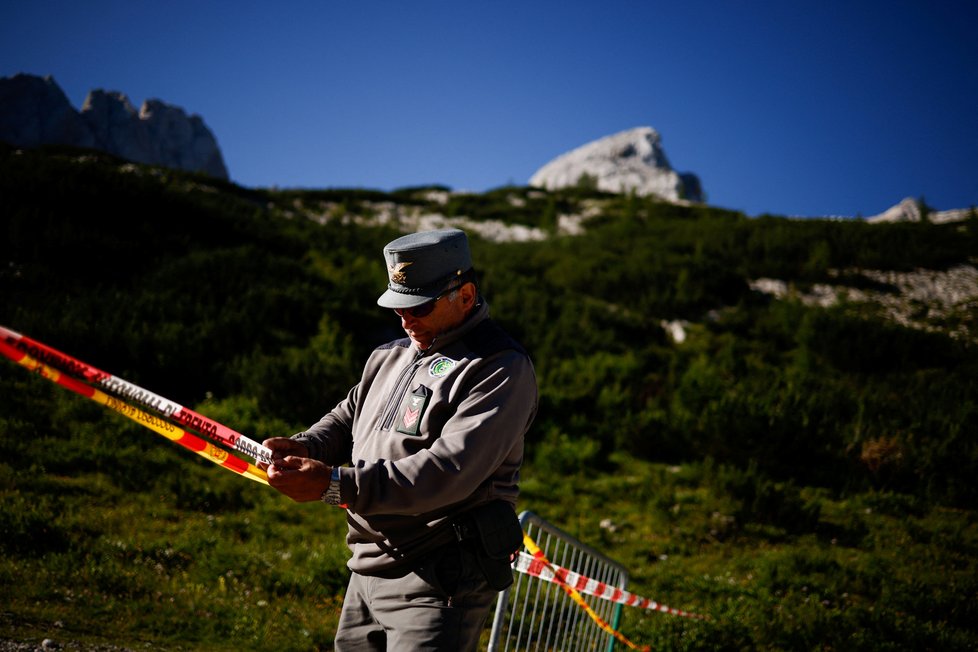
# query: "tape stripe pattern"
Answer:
x=134 y=393
x=534 y=563
x=556 y=574
x=529 y=564
x=155 y=423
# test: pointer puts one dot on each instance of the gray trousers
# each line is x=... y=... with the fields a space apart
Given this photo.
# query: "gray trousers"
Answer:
x=441 y=605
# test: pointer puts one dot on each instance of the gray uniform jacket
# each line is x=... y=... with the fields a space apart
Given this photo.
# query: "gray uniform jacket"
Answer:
x=429 y=435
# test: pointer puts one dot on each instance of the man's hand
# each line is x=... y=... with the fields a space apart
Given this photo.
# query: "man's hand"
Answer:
x=283 y=447
x=293 y=473
x=299 y=478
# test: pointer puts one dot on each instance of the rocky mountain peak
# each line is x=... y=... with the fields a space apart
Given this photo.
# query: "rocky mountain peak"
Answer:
x=629 y=161
x=35 y=111
x=908 y=210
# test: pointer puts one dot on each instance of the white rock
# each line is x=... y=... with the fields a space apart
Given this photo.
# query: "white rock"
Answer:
x=631 y=160
x=676 y=329
x=773 y=286
x=908 y=210
x=922 y=299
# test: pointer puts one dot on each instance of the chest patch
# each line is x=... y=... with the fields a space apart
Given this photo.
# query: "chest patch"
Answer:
x=441 y=367
x=412 y=410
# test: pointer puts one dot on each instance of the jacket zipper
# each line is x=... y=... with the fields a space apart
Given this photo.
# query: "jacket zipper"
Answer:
x=400 y=388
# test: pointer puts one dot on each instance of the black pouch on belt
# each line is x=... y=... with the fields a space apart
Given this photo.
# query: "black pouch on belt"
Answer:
x=498 y=534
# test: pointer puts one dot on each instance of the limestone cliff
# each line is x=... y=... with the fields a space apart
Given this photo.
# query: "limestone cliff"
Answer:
x=35 y=111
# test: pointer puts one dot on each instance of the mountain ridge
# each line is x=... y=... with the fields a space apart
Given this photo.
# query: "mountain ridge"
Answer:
x=36 y=111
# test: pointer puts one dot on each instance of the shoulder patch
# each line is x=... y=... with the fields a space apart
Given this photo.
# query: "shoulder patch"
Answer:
x=441 y=367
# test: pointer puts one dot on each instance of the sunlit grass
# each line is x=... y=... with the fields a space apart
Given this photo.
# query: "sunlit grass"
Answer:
x=90 y=560
x=872 y=573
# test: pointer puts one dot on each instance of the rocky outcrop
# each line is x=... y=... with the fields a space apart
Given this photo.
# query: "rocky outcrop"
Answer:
x=35 y=111
x=933 y=300
x=908 y=210
x=114 y=122
x=629 y=161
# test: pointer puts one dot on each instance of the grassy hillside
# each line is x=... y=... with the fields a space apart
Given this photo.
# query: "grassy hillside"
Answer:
x=804 y=475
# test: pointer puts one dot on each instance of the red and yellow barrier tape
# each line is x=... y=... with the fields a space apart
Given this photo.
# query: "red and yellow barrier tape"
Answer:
x=131 y=393
x=155 y=423
x=574 y=595
x=529 y=564
x=573 y=584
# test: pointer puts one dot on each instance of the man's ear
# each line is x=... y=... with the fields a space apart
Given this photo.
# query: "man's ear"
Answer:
x=468 y=295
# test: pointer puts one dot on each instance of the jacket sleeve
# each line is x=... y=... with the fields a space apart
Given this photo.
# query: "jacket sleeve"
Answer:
x=482 y=438
x=330 y=440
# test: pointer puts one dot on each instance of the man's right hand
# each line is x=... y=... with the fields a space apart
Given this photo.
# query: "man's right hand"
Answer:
x=283 y=447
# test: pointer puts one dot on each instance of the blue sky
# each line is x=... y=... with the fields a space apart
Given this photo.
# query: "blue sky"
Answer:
x=792 y=108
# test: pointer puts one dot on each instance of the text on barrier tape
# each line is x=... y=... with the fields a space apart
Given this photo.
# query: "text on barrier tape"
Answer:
x=157 y=424
x=132 y=393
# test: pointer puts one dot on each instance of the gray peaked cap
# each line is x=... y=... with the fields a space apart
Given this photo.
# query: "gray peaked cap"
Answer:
x=421 y=266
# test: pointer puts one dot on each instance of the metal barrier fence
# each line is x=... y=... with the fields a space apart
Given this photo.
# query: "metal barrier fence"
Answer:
x=534 y=614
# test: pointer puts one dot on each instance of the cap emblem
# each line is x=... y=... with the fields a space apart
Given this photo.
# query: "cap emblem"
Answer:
x=396 y=272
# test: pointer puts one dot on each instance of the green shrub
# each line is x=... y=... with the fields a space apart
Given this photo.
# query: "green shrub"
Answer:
x=764 y=501
x=28 y=527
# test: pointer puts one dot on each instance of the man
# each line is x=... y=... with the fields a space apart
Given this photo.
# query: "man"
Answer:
x=433 y=433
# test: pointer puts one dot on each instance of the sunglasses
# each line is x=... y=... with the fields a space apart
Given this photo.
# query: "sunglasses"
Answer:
x=426 y=308
x=419 y=312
